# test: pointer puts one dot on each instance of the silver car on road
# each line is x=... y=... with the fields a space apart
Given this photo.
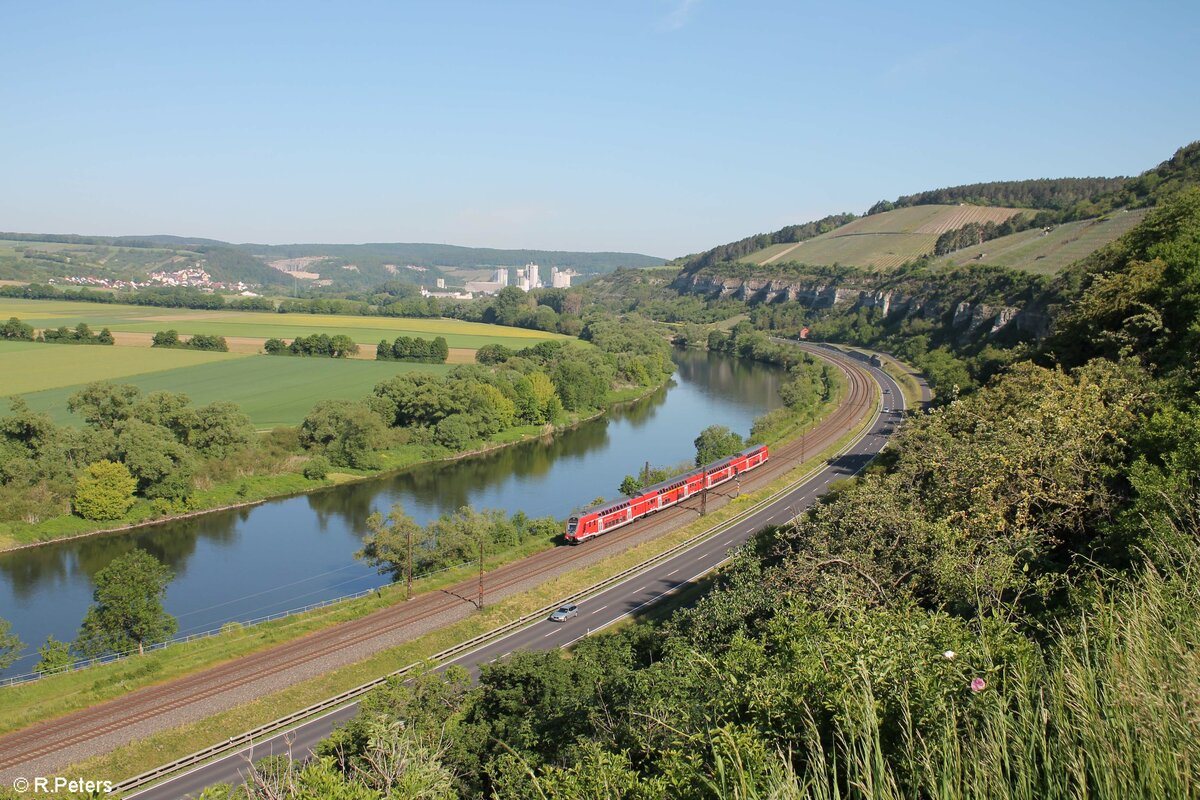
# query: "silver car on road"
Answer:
x=564 y=613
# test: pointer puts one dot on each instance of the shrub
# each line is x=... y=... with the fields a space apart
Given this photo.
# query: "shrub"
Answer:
x=454 y=432
x=104 y=491
x=204 y=341
x=55 y=656
x=317 y=468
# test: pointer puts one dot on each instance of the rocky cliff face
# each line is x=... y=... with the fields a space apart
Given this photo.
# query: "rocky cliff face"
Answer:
x=925 y=298
x=767 y=290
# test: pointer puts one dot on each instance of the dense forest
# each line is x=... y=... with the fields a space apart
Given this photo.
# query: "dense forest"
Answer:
x=1049 y=193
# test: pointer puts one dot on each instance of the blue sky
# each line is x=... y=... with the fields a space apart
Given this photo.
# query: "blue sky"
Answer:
x=658 y=126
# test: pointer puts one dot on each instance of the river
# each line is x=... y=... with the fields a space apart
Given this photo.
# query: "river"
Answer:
x=246 y=563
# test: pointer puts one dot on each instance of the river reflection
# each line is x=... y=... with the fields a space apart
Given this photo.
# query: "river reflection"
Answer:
x=250 y=562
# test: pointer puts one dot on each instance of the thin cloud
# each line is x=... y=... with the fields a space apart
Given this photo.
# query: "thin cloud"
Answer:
x=678 y=16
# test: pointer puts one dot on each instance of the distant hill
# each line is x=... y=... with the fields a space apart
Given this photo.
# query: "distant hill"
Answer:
x=962 y=222
x=377 y=262
x=41 y=257
x=883 y=240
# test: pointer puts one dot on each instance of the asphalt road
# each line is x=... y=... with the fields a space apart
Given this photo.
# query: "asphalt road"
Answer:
x=595 y=613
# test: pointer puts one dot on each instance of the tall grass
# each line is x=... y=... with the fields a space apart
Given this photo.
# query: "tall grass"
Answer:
x=1112 y=714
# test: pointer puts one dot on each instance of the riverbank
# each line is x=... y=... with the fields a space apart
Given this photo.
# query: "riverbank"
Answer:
x=252 y=490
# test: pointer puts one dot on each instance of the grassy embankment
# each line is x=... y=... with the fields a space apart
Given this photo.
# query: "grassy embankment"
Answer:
x=1111 y=715
x=159 y=748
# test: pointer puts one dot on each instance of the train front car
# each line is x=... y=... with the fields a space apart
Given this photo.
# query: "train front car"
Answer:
x=572 y=529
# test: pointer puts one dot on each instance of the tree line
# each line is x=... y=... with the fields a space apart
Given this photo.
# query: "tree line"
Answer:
x=318 y=344
x=1059 y=194
x=448 y=541
x=198 y=341
x=414 y=348
x=17 y=331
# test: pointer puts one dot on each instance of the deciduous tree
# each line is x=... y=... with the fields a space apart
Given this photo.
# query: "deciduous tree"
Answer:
x=716 y=442
x=10 y=645
x=127 y=611
x=103 y=404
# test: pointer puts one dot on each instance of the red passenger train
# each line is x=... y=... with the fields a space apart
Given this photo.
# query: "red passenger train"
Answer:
x=601 y=519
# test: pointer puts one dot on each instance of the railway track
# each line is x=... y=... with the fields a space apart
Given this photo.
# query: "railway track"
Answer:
x=44 y=739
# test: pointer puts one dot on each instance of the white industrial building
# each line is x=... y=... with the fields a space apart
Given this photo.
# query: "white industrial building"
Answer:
x=560 y=279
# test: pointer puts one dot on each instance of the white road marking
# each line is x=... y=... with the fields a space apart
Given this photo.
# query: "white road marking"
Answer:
x=672 y=572
x=601 y=608
x=551 y=633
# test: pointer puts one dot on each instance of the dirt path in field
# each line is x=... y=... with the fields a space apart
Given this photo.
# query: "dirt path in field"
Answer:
x=254 y=344
x=780 y=254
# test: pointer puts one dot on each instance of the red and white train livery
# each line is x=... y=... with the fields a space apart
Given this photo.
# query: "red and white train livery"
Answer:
x=601 y=519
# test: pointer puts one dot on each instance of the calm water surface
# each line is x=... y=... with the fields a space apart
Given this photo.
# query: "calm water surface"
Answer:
x=247 y=563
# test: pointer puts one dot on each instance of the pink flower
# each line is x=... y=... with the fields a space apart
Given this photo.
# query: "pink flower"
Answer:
x=978 y=685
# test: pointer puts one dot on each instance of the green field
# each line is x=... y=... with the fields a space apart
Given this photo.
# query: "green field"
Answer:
x=1047 y=254
x=273 y=390
x=263 y=325
x=881 y=241
x=33 y=367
